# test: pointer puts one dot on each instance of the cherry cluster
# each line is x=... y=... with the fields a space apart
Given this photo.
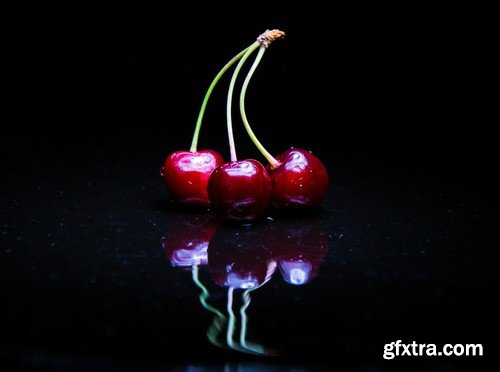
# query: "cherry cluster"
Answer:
x=242 y=190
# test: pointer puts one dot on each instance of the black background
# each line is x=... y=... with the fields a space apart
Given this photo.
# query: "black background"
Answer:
x=394 y=101
x=406 y=87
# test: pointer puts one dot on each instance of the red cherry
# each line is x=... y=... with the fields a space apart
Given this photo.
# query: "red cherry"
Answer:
x=186 y=174
x=240 y=190
x=239 y=259
x=299 y=182
x=186 y=239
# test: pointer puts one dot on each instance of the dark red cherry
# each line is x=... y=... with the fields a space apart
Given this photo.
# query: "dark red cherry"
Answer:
x=238 y=258
x=299 y=246
x=240 y=190
x=186 y=174
x=186 y=239
x=299 y=182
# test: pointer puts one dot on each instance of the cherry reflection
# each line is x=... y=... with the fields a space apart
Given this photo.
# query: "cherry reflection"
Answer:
x=299 y=246
x=186 y=240
x=185 y=243
x=240 y=259
x=244 y=259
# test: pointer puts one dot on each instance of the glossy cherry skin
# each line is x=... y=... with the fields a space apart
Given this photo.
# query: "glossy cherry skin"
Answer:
x=299 y=182
x=239 y=258
x=240 y=190
x=186 y=239
x=187 y=173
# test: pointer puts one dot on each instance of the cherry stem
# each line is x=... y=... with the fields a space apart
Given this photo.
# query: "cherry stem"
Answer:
x=251 y=347
x=232 y=147
x=194 y=143
x=204 y=295
x=219 y=318
x=231 y=324
x=271 y=159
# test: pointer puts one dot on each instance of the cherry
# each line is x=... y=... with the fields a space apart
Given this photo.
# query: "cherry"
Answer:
x=299 y=181
x=239 y=258
x=186 y=239
x=240 y=190
x=186 y=175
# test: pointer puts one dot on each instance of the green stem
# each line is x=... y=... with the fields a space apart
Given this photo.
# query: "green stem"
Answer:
x=271 y=159
x=194 y=143
x=230 y=134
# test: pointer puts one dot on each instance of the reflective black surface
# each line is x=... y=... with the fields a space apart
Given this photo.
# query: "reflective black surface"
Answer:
x=96 y=270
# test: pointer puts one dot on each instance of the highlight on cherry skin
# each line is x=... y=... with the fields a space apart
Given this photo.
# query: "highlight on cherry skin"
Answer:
x=240 y=190
x=300 y=181
x=186 y=174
